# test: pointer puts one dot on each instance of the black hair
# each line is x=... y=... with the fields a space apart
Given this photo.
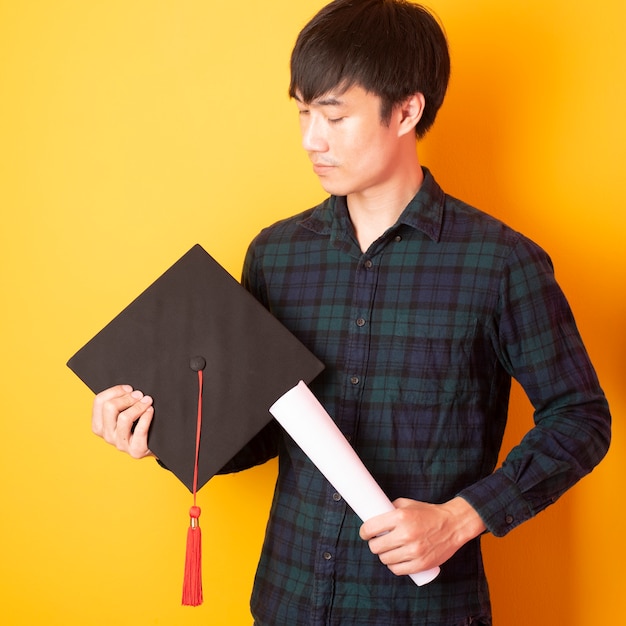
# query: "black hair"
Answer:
x=392 y=48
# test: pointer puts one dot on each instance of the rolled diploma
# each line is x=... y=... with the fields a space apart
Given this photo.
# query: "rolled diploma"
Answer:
x=307 y=422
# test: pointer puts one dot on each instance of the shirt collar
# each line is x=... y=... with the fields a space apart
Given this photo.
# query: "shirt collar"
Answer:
x=424 y=212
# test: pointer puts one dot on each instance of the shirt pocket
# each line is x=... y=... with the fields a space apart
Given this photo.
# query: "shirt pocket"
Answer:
x=432 y=358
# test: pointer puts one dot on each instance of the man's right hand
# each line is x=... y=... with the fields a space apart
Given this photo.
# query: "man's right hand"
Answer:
x=115 y=411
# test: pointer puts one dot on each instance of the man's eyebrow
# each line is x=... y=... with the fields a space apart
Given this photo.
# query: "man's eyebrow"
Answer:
x=331 y=101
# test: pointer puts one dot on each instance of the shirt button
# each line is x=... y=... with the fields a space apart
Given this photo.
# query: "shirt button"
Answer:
x=360 y=322
x=397 y=238
x=354 y=380
x=368 y=264
x=337 y=497
x=327 y=556
x=508 y=519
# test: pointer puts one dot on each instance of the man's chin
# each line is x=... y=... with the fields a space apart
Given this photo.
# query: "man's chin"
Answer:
x=331 y=187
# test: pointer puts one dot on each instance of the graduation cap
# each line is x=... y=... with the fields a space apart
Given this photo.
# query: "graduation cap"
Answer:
x=211 y=356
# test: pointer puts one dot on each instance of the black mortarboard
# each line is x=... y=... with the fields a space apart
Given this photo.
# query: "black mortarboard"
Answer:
x=213 y=359
x=197 y=311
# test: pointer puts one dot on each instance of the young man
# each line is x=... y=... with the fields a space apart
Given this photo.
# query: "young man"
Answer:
x=422 y=309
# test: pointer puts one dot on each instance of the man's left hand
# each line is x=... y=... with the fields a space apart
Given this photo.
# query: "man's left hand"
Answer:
x=417 y=536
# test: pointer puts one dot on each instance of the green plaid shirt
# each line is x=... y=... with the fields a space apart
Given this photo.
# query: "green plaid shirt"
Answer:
x=420 y=336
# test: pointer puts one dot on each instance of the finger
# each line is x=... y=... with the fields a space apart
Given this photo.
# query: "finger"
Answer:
x=124 y=423
x=100 y=402
x=384 y=543
x=127 y=407
x=402 y=503
x=376 y=526
x=403 y=558
x=110 y=410
x=138 y=445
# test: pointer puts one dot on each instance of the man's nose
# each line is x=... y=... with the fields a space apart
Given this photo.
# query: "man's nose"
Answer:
x=313 y=137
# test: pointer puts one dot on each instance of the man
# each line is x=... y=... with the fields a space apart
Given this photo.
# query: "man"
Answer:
x=422 y=308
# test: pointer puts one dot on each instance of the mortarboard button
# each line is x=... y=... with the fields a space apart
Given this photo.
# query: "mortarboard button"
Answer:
x=197 y=363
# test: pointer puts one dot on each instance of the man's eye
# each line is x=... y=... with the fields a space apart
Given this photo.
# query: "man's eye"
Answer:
x=335 y=120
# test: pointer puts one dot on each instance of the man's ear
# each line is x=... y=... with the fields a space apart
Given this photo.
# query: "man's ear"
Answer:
x=411 y=111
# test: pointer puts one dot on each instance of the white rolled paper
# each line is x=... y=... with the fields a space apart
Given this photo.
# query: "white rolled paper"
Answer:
x=307 y=422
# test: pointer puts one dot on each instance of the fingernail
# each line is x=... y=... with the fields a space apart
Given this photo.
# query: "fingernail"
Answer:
x=146 y=399
x=136 y=394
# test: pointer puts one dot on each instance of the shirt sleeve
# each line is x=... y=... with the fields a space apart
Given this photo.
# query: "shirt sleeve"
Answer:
x=538 y=343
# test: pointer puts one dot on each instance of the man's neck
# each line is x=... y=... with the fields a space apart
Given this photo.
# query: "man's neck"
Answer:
x=376 y=210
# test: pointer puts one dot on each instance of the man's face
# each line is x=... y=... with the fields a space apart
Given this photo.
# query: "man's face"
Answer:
x=352 y=151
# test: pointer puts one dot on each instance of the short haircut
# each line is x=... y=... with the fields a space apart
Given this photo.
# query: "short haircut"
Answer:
x=392 y=48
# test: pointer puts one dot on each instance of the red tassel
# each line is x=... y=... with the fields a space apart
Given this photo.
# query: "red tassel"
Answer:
x=192 y=584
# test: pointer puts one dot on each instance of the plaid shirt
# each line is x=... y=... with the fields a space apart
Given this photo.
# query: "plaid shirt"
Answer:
x=420 y=335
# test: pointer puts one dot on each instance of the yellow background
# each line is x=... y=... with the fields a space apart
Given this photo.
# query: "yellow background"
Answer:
x=130 y=130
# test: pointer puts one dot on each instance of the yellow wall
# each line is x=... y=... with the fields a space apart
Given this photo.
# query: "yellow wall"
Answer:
x=130 y=130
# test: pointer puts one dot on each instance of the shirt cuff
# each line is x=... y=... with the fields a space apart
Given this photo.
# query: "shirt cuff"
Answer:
x=499 y=502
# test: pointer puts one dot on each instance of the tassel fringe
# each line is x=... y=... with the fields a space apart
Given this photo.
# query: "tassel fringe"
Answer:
x=192 y=583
